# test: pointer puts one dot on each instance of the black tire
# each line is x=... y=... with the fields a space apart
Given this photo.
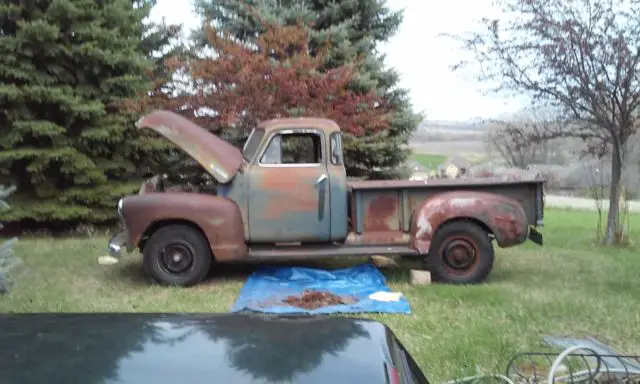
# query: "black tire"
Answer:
x=461 y=252
x=177 y=255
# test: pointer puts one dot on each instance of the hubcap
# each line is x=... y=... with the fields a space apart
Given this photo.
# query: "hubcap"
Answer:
x=459 y=255
x=176 y=258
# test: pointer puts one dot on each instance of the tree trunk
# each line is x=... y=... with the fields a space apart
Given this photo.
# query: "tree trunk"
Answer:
x=614 y=195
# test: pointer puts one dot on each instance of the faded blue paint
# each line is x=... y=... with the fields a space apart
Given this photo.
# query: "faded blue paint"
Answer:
x=237 y=191
x=223 y=190
x=338 y=185
x=322 y=198
x=276 y=204
x=339 y=197
x=284 y=203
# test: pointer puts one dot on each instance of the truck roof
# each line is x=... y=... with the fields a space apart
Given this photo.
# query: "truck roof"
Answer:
x=327 y=125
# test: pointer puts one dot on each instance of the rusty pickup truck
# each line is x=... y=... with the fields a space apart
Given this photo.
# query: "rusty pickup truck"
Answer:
x=286 y=195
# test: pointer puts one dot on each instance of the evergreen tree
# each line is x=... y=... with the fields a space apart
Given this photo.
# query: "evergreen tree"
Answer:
x=7 y=259
x=66 y=66
x=354 y=28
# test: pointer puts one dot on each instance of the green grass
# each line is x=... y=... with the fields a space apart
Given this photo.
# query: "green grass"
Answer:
x=428 y=161
x=567 y=287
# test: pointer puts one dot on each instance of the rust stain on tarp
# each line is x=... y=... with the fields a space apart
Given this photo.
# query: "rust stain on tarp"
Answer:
x=221 y=159
x=502 y=215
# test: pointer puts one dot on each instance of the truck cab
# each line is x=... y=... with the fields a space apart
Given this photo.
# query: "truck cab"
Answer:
x=286 y=195
x=293 y=185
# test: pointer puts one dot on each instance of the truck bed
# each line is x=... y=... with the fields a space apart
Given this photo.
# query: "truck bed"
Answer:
x=380 y=210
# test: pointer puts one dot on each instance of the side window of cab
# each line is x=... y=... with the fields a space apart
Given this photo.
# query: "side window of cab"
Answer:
x=293 y=148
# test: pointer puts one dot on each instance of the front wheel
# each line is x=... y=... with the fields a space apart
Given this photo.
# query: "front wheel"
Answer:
x=177 y=255
x=461 y=252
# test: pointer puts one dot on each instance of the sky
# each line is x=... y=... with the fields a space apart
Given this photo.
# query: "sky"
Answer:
x=420 y=56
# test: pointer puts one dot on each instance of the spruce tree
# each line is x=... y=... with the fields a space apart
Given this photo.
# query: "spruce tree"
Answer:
x=355 y=28
x=66 y=66
x=7 y=258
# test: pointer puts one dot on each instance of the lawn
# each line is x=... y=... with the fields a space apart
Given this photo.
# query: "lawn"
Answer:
x=568 y=286
x=428 y=161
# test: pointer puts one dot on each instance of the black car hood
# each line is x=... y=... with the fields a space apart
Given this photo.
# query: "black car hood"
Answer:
x=196 y=348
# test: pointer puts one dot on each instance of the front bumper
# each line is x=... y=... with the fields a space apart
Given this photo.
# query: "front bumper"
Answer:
x=118 y=244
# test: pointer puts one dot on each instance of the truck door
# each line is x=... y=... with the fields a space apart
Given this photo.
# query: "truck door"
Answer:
x=289 y=197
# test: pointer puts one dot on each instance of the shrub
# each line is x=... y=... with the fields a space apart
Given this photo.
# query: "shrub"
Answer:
x=7 y=258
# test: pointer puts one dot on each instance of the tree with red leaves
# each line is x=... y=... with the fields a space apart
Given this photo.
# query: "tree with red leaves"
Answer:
x=580 y=56
x=279 y=78
x=240 y=84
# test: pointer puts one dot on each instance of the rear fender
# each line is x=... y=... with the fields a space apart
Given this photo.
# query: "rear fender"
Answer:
x=217 y=217
x=502 y=216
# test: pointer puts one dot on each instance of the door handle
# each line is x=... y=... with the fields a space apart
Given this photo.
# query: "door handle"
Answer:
x=322 y=178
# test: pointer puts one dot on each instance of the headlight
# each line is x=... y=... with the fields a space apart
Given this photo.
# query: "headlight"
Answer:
x=120 y=202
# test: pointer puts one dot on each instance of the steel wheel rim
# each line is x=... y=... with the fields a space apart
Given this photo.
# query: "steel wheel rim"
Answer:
x=460 y=255
x=176 y=258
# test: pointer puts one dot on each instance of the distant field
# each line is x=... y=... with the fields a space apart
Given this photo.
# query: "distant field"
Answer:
x=471 y=149
x=429 y=161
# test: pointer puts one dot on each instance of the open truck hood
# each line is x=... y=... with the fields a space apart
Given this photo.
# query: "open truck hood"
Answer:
x=221 y=159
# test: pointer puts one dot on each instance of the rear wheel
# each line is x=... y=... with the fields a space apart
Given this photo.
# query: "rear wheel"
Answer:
x=461 y=252
x=177 y=255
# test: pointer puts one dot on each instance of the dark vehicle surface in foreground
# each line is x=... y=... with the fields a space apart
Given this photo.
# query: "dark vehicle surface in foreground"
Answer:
x=286 y=195
x=132 y=348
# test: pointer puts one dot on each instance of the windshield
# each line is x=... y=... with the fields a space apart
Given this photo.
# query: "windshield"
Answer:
x=252 y=143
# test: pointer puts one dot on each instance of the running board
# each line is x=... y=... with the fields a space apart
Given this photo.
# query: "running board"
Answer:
x=316 y=251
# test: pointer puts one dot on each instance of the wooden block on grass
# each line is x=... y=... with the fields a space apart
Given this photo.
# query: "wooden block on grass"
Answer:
x=384 y=261
x=420 y=277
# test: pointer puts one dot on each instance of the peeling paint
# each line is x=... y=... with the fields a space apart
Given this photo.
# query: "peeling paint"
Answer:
x=378 y=238
x=463 y=202
x=218 y=157
x=504 y=216
x=164 y=130
x=424 y=227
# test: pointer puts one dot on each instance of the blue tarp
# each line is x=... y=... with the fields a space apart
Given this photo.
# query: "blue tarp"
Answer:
x=265 y=289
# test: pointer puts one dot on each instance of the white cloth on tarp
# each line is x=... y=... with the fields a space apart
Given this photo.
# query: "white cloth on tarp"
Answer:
x=385 y=296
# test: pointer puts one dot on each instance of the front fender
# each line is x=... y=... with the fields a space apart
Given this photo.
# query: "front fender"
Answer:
x=503 y=216
x=219 y=219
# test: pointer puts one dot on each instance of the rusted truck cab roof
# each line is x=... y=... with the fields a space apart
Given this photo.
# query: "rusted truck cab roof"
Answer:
x=327 y=125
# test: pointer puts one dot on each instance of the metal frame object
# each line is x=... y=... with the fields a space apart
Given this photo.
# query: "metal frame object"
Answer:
x=582 y=361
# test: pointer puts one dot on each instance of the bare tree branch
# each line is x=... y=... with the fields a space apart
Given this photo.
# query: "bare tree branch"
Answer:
x=525 y=138
x=580 y=56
